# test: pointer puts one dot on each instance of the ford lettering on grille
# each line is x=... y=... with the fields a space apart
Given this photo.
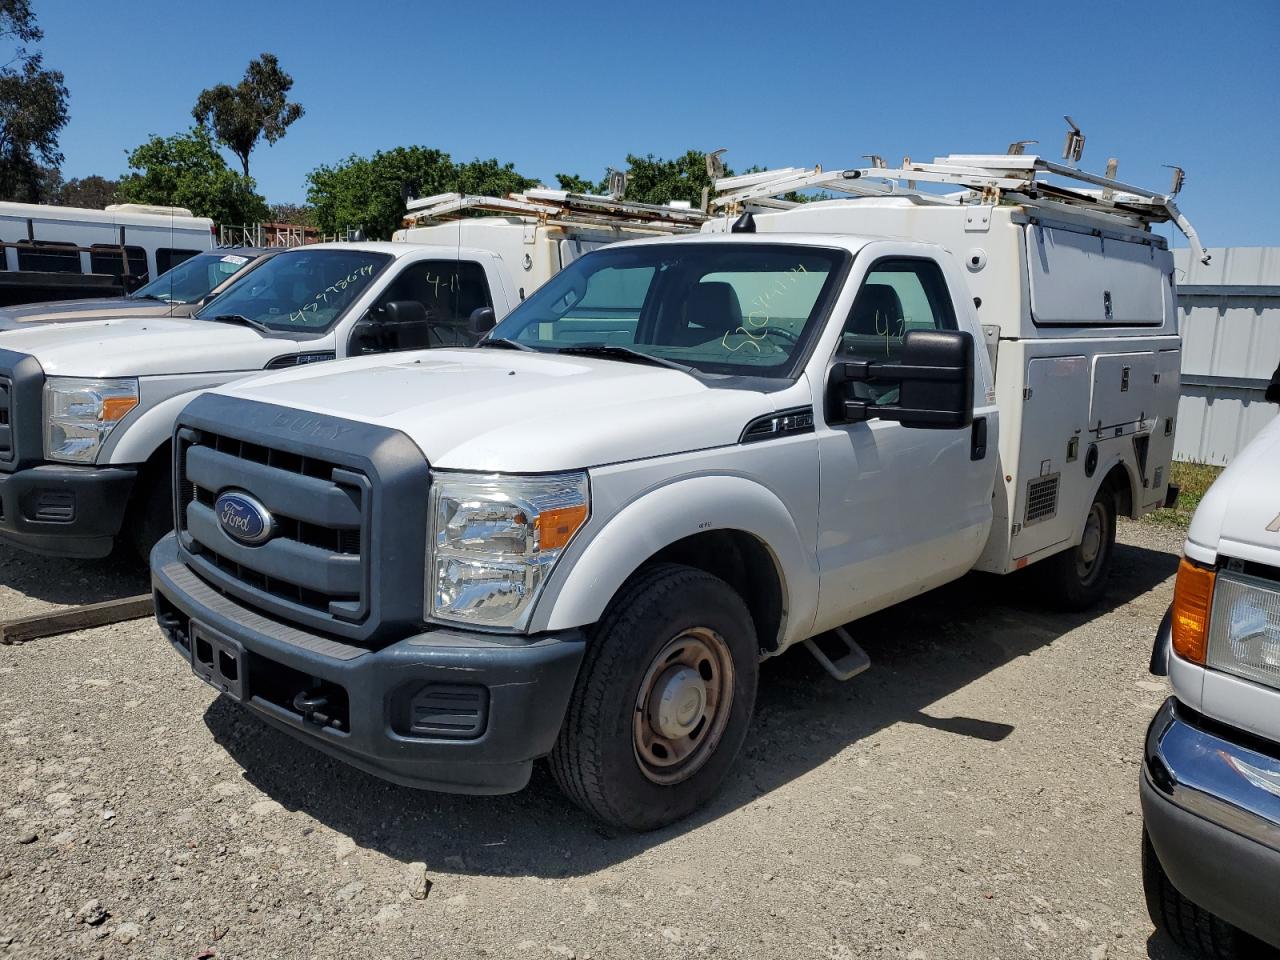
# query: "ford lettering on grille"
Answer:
x=244 y=519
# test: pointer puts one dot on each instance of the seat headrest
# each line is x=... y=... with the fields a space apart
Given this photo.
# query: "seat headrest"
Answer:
x=877 y=312
x=714 y=308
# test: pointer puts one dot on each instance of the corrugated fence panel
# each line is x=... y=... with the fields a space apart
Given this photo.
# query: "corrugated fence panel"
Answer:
x=1230 y=313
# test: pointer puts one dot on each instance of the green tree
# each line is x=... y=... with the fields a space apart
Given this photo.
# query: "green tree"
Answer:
x=33 y=108
x=186 y=170
x=298 y=214
x=370 y=192
x=652 y=179
x=257 y=107
x=93 y=192
x=576 y=184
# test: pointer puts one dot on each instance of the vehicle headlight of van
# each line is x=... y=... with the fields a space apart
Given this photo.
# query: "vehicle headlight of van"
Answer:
x=79 y=414
x=1244 y=632
x=494 y=540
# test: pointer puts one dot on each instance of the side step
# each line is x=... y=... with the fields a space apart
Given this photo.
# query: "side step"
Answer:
x=842 y=658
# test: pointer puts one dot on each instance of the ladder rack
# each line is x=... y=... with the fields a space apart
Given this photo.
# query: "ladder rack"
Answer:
x=559 y=207
x=983 y=179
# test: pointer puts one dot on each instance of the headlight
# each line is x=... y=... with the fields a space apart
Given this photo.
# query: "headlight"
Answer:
x=494 y=540
x=1244 y=633
x=79 y=414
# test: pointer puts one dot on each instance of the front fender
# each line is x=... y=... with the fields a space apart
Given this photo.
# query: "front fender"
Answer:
x=591 y=575
x=163 y=398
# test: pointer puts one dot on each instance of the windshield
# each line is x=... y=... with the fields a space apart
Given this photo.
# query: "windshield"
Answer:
x=723 y=308
x=192 y=279
x=302 y=290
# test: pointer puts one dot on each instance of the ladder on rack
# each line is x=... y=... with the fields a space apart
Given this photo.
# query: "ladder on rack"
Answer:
x=559 y=207
x=983 y=179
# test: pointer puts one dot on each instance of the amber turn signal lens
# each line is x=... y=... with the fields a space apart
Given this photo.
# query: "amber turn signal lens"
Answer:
x=557 y=527
x=1192 y=600
x=115 y=408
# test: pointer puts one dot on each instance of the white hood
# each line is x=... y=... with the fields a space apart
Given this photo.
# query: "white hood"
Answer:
x=1240 y=515
x=141 y=347
x=500 y=410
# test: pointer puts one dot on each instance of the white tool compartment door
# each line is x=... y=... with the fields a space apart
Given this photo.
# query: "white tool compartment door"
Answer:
x=1081 y=280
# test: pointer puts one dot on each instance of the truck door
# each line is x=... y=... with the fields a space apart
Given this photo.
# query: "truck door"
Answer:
x=901 y=509
x=441 y=296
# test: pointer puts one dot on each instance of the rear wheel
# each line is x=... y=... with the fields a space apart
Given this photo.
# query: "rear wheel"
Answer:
x=662 y=702
x=1075 y=579
x=1193 y=928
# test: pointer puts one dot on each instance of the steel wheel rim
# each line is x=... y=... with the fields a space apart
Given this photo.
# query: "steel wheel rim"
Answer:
x=1092 y=545
x=683 y=705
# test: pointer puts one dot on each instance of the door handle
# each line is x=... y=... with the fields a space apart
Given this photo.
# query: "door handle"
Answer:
x=978 y=439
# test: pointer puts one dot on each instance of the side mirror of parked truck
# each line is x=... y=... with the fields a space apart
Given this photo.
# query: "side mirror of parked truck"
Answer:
x=933 y=383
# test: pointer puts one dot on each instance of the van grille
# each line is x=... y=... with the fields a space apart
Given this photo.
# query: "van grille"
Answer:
x=1042 y=499
x=314 y=567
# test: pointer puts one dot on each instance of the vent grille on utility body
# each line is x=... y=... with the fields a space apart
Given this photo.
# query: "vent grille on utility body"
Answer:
x=314 y=563
x=1042 y=499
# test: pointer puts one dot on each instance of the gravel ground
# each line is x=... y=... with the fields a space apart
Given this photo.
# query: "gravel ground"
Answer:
x=973 y=795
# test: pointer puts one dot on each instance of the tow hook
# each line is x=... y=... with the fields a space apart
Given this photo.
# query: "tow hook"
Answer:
x=314 y=706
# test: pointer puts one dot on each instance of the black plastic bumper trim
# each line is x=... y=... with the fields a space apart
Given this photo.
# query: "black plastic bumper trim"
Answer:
x=528 y=679
x=100 y=496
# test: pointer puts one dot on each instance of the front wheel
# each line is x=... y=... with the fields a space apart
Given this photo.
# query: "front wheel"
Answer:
x=1196 y=930
x=1076 y=578
x=663 y=700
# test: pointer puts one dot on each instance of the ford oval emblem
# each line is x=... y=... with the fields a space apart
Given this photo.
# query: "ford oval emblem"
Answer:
x=244 y=519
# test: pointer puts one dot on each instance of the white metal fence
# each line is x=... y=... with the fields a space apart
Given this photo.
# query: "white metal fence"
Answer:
x=1230 y=347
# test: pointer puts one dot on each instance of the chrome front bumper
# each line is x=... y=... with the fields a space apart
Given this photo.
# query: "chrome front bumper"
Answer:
x=1211 y=805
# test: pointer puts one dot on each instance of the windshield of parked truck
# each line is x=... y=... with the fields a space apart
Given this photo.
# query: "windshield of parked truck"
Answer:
x=300 y=290
x=746 y=309
x=192 y=279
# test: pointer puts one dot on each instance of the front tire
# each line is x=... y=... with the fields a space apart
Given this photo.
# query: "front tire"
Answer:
x=150 y=514
x=662 y=702
x=1076 y=578
x=1194 y=929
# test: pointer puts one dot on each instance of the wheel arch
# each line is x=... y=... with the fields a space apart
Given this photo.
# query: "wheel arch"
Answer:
x=729 y=526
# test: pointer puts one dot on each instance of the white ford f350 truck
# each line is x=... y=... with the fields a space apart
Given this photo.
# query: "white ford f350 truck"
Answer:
x=677 y=458
x=1210 y=781
x=87 y=410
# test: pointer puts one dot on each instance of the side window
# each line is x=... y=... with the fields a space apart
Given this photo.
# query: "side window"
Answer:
x=108 y=258
x=167 y=259
x=451 y=290
x=897 y=296
x=48 y=257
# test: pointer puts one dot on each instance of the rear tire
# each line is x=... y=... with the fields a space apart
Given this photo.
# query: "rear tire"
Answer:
x=1076 y=578
x=1194 y=929
x=662 y=702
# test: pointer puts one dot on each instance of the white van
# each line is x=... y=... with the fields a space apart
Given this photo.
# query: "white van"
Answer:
x=64 y=253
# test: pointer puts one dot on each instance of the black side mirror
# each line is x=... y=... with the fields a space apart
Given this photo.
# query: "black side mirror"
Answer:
x=935 y=377
x=401 y=313
x=1273 y=388
x=481 y=321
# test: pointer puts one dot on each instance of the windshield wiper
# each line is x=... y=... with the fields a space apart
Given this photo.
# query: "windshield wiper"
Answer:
x=240 y=319
x=609 y=351
x=148 y=296
x=502 y=343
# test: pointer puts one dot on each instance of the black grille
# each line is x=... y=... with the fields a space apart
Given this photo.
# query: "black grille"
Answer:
x=6 y=416
x=1042 y=499
x=314 y=566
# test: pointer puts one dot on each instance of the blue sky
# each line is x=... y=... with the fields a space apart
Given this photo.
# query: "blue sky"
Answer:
x=575 y=87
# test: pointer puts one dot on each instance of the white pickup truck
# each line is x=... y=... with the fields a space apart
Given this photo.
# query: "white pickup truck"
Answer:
x=676 y=458
x=1210 y=782
x=87 y=409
